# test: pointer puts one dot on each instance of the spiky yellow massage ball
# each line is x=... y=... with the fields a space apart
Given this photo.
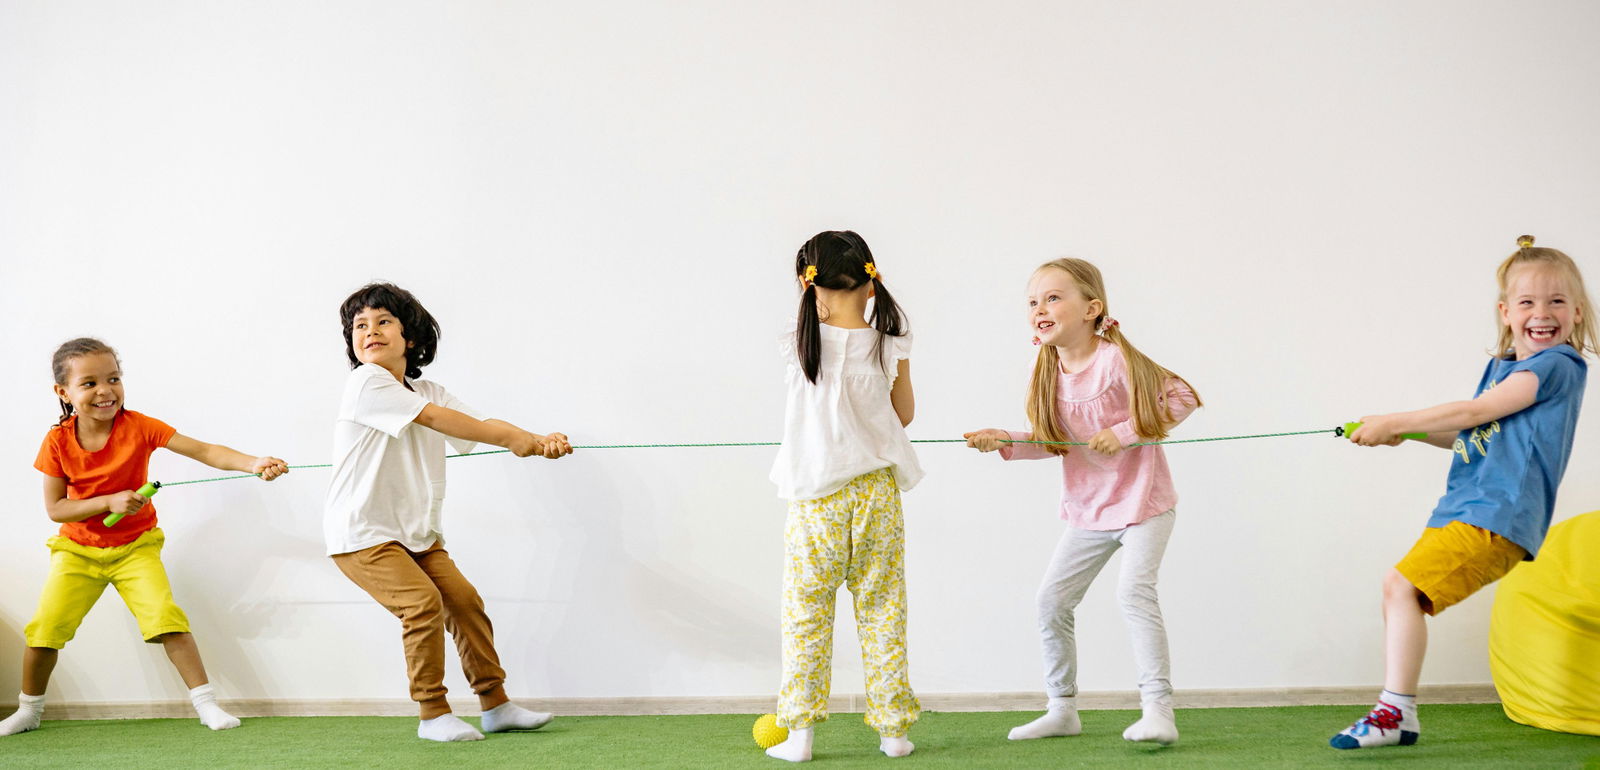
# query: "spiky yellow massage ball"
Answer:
x=768 y=732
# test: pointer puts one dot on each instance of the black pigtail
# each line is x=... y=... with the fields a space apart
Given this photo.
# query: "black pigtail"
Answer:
x=887 y=318
x=808 y=335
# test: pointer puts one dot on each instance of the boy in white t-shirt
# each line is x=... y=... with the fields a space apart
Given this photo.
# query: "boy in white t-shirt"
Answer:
x=382 y=519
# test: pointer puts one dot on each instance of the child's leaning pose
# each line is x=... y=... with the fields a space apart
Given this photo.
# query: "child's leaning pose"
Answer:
x=844 y=460
x=1511 y=442
x=1090 y=384
x=93 y=459
x=382 y=519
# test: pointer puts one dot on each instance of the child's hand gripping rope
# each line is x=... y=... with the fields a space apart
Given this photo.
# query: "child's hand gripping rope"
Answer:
x=1350 y=429
x=132 y=503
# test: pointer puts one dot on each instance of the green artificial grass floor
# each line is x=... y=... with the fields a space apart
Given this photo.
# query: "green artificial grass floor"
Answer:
x=1455 y=736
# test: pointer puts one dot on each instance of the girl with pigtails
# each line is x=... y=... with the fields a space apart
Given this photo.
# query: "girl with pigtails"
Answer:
x=1092 y=386
x=843 y=462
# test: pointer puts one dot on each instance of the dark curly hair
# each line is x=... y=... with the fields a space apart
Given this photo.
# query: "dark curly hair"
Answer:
x=416 y=324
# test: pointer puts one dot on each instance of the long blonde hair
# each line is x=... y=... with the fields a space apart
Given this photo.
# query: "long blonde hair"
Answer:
x=1148 y=379
x=1584 y=335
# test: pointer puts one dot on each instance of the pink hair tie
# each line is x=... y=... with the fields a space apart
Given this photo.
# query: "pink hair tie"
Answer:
x=1035 y=341
x=1107 y=323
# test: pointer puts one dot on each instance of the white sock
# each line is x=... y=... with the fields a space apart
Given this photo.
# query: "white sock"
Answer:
x=896 y=745
x=446 y=728
x=1060 y=719
x=1393 y=722
x=797 y=748
x=29 y=710
x=211 y=715
x=1156 y=725
x=510 y=716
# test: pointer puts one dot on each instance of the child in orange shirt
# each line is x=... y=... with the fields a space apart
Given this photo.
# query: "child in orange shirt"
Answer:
x=92 y=460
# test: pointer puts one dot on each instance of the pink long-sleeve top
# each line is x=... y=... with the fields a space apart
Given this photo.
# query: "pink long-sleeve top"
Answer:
x=1107 y=492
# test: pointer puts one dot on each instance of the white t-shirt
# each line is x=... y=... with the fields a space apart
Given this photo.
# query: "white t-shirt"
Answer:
x=843 y=425
x=388 y=472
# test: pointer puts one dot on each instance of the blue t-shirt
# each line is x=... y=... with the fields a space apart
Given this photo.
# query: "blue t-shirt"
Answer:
x=1504 y=475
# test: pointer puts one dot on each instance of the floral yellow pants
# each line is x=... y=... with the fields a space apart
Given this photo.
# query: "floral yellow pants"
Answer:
x=854 y=537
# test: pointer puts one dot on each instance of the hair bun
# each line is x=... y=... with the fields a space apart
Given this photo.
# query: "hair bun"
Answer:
x=1524 y=241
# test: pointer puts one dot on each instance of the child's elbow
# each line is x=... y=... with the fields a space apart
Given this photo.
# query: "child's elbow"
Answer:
x=1475 y=413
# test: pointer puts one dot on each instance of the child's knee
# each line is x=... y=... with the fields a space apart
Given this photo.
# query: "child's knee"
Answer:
x=1397 y=587
x=461 y=599
x=427 y=610
x=1053 y=603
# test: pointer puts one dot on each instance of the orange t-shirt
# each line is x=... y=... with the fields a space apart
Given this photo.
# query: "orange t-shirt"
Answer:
x=121 y=465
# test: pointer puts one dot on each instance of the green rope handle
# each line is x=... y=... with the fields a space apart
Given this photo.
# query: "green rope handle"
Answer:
x=776 y=443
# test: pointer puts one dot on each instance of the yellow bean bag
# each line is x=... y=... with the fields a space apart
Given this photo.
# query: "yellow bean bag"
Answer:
x=1544 y=633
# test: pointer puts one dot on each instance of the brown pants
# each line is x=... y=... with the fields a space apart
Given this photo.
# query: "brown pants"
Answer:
x=430 y=597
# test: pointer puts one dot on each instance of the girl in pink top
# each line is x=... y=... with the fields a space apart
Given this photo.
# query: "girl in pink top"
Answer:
x=1091 y=385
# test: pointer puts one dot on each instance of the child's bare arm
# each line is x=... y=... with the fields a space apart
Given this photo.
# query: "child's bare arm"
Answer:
x=60 y=509
x=497 y=432
x=900 y=396
x=227 y=459
x=1513 y=394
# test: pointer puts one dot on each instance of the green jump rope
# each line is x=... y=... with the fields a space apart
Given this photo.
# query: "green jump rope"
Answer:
x=1343 y=431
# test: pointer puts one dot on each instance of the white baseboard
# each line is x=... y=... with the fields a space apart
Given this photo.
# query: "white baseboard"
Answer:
x=1006 y=701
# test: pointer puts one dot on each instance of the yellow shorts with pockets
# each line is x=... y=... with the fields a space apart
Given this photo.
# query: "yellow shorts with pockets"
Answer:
x=1452 y=562
x=80 y=573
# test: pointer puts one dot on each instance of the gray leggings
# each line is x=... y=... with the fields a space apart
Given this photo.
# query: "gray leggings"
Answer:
x=1078 y=558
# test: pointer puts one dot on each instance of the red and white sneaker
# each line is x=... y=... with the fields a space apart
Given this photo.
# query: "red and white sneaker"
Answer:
x=1385 y=725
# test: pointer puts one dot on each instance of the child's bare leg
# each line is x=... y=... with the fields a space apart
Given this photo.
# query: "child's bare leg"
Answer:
x=1405 y=640
x=185 y=657
x=37 y=663
x=1405 y=631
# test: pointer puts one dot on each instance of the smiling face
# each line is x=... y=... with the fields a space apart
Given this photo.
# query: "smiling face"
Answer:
x=377 y=338
x=93 y=386
x=1057 y=310
x=1539 y=310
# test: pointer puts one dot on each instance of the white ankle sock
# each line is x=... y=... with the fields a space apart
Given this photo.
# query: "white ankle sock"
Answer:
x=1060 y=719
x=30 y=708
x=797 y=748
x=510 y=716
x=1157 y=725
x=447 y=727
x=896 y=745
x=211 y=715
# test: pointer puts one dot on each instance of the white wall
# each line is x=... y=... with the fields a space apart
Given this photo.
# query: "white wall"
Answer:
x=1298 y=206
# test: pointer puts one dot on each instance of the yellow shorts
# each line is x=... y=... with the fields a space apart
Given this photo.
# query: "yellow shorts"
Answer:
x=1452 y=562
x=79 y=574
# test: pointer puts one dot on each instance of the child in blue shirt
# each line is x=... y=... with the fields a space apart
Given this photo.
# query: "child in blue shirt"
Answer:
x=1511 y=443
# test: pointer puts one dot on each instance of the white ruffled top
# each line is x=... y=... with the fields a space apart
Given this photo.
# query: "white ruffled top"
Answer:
x=843 y=425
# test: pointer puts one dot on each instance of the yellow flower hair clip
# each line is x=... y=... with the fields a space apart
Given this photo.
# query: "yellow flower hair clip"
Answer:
x=811 y=274
x=872 y=270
